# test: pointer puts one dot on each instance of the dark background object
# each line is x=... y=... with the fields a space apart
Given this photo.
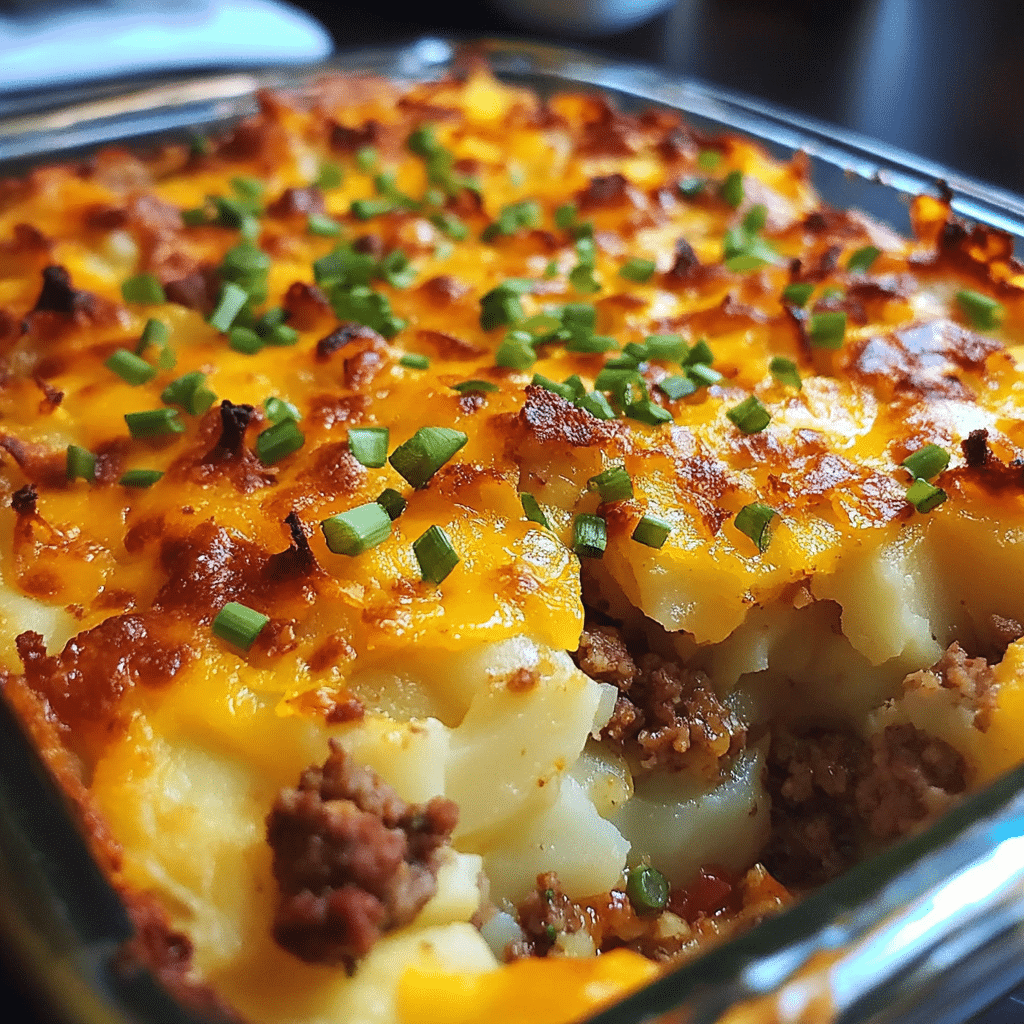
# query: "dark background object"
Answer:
x=938 y=78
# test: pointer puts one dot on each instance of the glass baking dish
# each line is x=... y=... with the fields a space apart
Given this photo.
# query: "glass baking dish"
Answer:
x=932 y=930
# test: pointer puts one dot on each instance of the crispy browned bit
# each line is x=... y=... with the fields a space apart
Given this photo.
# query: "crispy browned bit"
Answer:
x=306 y=304
x=234 y=421
x=293 y=202
x=198 y=290
x=298 y=558
x=604 y=190
x=57 y=294
x=443 y=289
x=348 y=710
x=975 y=448
x=23 y=501
x=341 y=336
x=348 y=140
x=52 y=397
x=684 y=263
x=369 y=245
x=352 y=860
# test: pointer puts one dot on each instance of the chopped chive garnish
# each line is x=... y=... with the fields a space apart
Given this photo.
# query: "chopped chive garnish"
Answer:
x=329 y=176
x=516 y=351
x=652 y=531
x=785 y=372
x=827 y=330
x=392 y=502
x=797 y=293
x=396 y=269
x=732 y=188
x=132 y=369
x=318 y=224
x=154 y=423
x=232 y=298
x=691 y=187
x=435 y=554
x=551 y=270
x=369 y=445
x=927 y=462
x=699 y=354
x=638 y=269
x=248 y=188
x=597 y=405
x=156 y=332
x=925 y=496
x=755 y=219
x=365 y=209
x=982 y=311
x=415 y=361
x=744 y=251
x=648 y=411
x=861 y=260
x=358 y=529
x=676 y=387
x=143 y=290
x=614 y=484
x=365 y=306
x=419 y=458
x=272 y=318
x=589 y=536
x=279 y=441
x=591 y=344
x=532 y=510
x=703 y=375
x=582 y=279
x=366 y=159
x=750 y=415
x=81 y=464
x=754 y=520
x=278 y=409
x=647 y=889
x=243 y=339
x=709 y=159
x=470 y=387
x=140 y=478
x=669 y=347
x=565 y=216
x=190 y=392
x=451 y=225
x=239 y=625
x=501 y=305
x=512 y=218
x=281 y=335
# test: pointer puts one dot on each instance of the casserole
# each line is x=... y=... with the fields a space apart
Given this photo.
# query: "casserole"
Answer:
x=760 y=973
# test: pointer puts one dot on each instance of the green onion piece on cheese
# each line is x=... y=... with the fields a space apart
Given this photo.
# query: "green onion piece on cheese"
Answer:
x=670 y=347
x=566 y=391
x=243 y=339
x=676 y=387
x=516 y=351
x=589 y=536
x=132 y=369
x=647 y=411
x=750 y=415
x=638 y=269
x=451 y=226
x=982 y=311
x=154 y=423
x=369 y=445
x=248 y=188
x=785 y=372
x=709 y=159
x=647 y=889
x=190 y=392
x=81 y=464
x=156 y=332
x=414 y=361
x=278 y=409
x=140 y=478
x=732 y=188
x=474 y=387
x=366 y=209
x=797 y=293
x=532 y=510
x=325 y=227
x=501 y=305
x=392 y=502
x=703 y=375
x=435 y=554
x=699 y=354
x=755 y=218
x=652 y=531
x=926 y=462
x=419 y=458
x=279 y=441
x=329 y=175
x=232 y=298
x=861 y=260
x=366 y=159
x=614 y=484
x=239 y=625
x=358 y=529
x=754 y=520
x=827 y=330
x=143 y=290
x=597 y=405
x=925 y=496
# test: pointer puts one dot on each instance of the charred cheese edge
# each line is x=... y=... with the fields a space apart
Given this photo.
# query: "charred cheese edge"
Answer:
x=418 y=238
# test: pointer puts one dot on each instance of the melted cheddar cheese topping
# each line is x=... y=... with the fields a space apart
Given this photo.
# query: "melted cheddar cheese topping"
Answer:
x=574 y=292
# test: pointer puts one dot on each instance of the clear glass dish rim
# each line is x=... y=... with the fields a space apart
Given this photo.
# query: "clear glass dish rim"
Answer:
x=885 y=942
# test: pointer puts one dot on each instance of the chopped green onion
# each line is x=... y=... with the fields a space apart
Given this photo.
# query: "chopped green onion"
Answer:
x=470 y=387
x=140 y=478
x=565 y=216
x=366 y=159
x=652 y=531
x=318 y=224
x=396 y=269
x=614 y=484
x=358 y=529
x=709 y=159
x=239 y=625
x=754 y=520
x=451 y=225
x=132 y=369
x=419 y=458
x=597 y=405
x=565 y=391
x=516 y=351
x=638 y=269
x=143 y=290
x=512 y=218
x=755 y=219
x=669 y=347
x=435 y=554
x=750 y=415
x=983 y=312
x=691 y=187
x=365 y=306
x=925 y=496
x=278 y=409
x=927 y=462
x=647 y=889
x=732 y=188
x=190 y=392
x=551 y=270
x=797 y=293
x=279 y=441
x=248 y=188
x=392 y=502
x=272 y=318
x=81 y=464
x=589 y=536
x=154 y=423
x=501 y=305
x=415 y=361
x=369 y=445
x=703 y=375
x=243 y=339
x=281 y=335
x=329 y=175
x=583 y=281
x=699 y=354
x=156 y=332
x=861 y=260
x=648 y=411
x=676 y=387
x=366 y=209
x=591 y=344
x=532 y=510
x=827 y=330
x=785 y=372
x=232 y=298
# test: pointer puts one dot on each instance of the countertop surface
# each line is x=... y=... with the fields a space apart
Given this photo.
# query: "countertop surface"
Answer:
x=938 y=78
